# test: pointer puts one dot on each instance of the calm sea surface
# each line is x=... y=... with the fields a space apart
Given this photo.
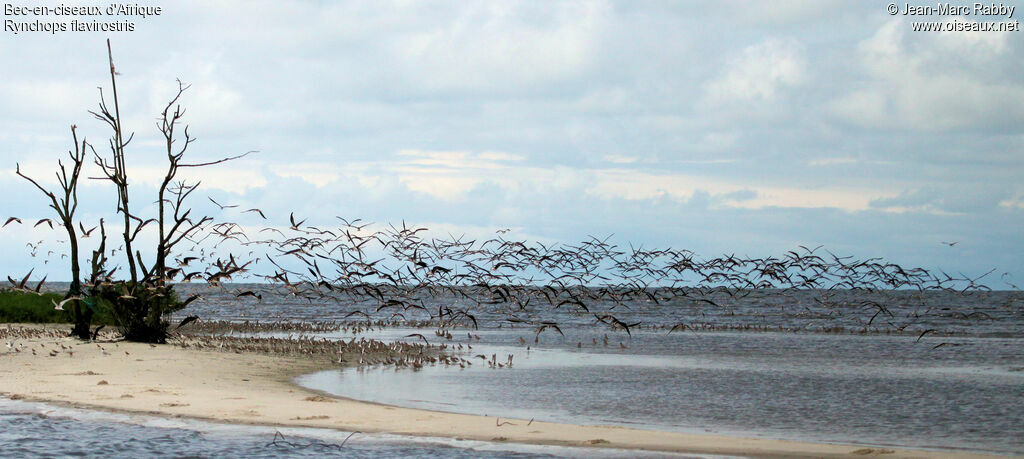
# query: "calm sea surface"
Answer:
x=959 y=387
x=40 y=430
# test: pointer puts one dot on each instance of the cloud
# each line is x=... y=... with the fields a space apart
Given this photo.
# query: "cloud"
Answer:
x=792 y=13
x=947 y=200
x=760 y=72
x=452 y=176
x=319 y=174
x=740 y=126
x=931 y=82
x=499 y=156
x=1014 y=203
x=718 y=141
x=868 y=108
x=500 y=47
x=54 y=98
x=635 y=185
x=618 y=159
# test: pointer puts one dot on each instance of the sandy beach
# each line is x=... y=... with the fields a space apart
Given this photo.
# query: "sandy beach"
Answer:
x=253 y=388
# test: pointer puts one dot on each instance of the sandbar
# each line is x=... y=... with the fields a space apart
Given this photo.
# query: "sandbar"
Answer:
x=254 y=388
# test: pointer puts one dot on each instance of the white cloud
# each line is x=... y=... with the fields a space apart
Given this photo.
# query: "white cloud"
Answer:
x=932 y=82
x=451 y=176
x=499 y=156
x=54 y=98
x=1016 y=203
x=557 y=118
x=443 y=187
x=718 y=141
x=319 y=174
x=234 y=178
x=973 y=43
x=619 y=159
x=760 y=72
x=634 y=185
x=784 y=13
x=496 y=45
x=868 y=108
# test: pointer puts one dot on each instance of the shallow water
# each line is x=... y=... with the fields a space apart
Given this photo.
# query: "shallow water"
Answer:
x=960 y=391
x=40 y=430
x=872 y=390
x=964 y=391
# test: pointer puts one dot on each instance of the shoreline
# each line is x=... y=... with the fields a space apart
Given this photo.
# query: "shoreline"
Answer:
x=260 y=389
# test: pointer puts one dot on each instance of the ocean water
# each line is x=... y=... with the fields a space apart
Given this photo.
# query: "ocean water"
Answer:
x=959 y=387
x=30 y=429
x=977 y=313
x=870 y=390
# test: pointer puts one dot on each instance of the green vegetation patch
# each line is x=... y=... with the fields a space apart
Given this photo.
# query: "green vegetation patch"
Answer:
x=22 y=307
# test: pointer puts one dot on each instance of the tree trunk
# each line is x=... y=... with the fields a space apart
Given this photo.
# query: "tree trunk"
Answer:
x=83 y=314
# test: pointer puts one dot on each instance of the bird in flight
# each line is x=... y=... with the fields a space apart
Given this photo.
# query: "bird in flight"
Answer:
x=85 y=232
x=60 y=306
x=219 y=205
x=257 y=211
x=291 y=218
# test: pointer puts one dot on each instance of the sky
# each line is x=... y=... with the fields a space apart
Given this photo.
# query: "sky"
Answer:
x=745 y=128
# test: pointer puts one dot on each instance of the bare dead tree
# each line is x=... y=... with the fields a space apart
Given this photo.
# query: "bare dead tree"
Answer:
x=99 y=274
x=114 y=170
x=181 y=225
x=65 y=206
x=140 y=303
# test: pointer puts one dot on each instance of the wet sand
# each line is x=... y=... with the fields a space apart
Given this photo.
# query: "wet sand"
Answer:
x=254 y=388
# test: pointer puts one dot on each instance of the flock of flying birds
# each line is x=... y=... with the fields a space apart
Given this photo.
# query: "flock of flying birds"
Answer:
x=394 y=271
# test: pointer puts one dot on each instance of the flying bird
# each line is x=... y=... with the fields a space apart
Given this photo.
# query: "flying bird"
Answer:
x=257 y=211
x=85 y=232
x=219 y=205
x=191 y=298
x=417 y=335
x=60 y=306
x=291 y=218
x=186 y=321
x=252 y=294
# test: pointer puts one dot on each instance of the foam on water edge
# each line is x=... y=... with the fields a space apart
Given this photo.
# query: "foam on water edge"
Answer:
x=223 y=430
